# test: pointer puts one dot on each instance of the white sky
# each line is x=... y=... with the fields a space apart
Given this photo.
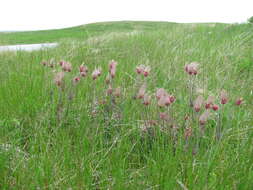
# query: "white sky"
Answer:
x=48 y=14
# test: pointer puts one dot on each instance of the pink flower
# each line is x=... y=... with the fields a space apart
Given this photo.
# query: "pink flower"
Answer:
x=96 y=73
x=66 y=66
x=209 y=102
x=141 y=92
x=172 y=98
x=140 y=69
x=61 y=63
x=146 y=71
x=164 y=116
x=160 y=92
x=239 y=101
x=83 y=74
x=192 y=68
x=83 y=69
x=76 y=80
x=215 y=107
x=146 y=99
x=198 y=103
x=224 y=97
x=204 y=117
x=112 y=68
x=58 y=78
x=109 y=90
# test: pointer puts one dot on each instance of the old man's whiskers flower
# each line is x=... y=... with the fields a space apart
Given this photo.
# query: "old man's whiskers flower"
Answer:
x=239 y=101
x=141 y=91
x=209 y=102
x=112 y=68
x=142 y=69
x=146 y=99
x=204 y=117
x=58 y=78
x=192 y=68
x=223 y=97
x=198 y=103
x=96 y=73
x=66 y=66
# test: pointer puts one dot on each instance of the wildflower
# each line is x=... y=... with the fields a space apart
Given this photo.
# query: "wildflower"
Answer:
x=140 y=69
x=164 y=116
x=239 y=101
x=164 y=101
x=58 y=79
x=83 y=74
x=109 y=90
x=192 y=68
x=146 y=71
x=83 y=69
x=215 y=107
x=172 y=98
x=66 y=66
x=146 y=99
x=224 y=97
x=76 y=80
x=141 y=92
x=61 y=63
x=209 y=102
x=96 y=73
x=117 y=92
x=160 y=92
x=198 y=103
x=204 y=116
x=112 y=68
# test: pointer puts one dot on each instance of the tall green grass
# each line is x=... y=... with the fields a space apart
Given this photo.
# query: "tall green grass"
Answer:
x=83 y=152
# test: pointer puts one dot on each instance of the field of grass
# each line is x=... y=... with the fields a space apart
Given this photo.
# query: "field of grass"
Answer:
x=77 y=136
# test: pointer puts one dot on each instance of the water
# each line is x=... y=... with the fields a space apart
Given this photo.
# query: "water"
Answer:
x=27 y=47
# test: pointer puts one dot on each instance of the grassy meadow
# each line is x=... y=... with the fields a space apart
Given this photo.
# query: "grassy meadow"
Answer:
x=76 y=135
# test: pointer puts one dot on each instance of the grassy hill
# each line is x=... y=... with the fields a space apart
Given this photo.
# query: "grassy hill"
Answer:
x=76 y=135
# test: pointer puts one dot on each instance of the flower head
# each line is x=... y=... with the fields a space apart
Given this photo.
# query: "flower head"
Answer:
x=142 y=91
x=146 y=99
x=209 y=102
x=223 y=97
x=112 y=68
x=239 y=101
x=58 y=78
x=192 y=68
x=198 y=103
x=66 y=66
x=96 y=73
x=204 y=117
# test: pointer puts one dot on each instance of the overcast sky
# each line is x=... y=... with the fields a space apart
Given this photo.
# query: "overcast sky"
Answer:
x=49 y=14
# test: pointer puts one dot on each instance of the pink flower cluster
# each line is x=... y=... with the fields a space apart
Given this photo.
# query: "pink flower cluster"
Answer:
x=192 y=68
x=164 y=99
x=142 y=69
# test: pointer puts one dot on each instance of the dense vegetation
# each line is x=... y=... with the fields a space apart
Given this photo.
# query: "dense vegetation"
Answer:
x=80 y=136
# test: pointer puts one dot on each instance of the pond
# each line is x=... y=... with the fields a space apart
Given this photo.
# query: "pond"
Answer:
x=27 y=47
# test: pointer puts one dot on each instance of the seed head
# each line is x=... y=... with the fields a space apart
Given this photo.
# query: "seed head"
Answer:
x=140 y=69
